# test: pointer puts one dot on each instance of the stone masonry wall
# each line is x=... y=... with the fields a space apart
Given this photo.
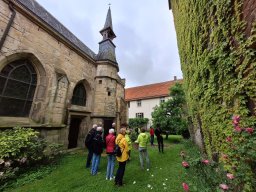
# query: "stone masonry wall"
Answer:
x=27 y=40
x=27 y=37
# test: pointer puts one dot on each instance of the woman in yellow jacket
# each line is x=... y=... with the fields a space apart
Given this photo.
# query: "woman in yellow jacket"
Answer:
x=121 y=141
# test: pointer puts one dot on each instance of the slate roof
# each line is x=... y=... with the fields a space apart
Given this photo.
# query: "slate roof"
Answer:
x=108 y=22
x=46 y=17
x=149 y=91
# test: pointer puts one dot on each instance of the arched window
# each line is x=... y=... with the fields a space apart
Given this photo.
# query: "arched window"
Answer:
x=79 y=95
x=17 y=87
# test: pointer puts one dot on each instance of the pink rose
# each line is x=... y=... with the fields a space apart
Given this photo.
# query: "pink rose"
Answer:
x=185 y=187
x=235 y=123
x=228 y=139
x=238 y=129
x=223 y=187
x=185 y=164
x=236 y=118
x=249 y=130
x=230 y=176
x=205 y=161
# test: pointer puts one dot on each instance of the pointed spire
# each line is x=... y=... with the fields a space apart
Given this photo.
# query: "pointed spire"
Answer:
x=108 y=22
x=107 y=31
x=106 y=46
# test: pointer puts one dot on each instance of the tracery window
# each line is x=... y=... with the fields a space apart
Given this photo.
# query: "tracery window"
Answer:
x=18 y=82
x=79 y=95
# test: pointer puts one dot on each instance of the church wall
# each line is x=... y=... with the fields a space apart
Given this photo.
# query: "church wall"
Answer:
x=60 y=66
x=63 y=67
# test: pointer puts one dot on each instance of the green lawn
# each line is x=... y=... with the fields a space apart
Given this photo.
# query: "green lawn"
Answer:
x=165 y=174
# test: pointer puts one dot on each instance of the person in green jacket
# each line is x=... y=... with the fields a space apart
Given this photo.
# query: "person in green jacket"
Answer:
x=143 y=140
x=129 y=142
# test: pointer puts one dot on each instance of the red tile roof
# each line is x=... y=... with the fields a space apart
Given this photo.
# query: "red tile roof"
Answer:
x=149 y=91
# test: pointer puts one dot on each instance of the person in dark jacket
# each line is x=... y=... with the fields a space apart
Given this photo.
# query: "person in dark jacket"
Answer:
x=110 y=146
x=88 y=144
x=159 y=137
x=97 y=148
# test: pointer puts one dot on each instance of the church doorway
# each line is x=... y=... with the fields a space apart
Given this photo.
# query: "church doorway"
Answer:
x=74 y=131
x=107 y=126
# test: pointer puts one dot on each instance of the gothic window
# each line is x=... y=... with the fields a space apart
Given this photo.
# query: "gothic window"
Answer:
x=17 y=87
x=79 y=95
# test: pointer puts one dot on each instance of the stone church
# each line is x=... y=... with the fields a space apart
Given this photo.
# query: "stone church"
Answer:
x=51 y=81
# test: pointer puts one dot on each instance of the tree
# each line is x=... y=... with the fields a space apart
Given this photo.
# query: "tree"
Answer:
x=137 y=122
x=170 y=115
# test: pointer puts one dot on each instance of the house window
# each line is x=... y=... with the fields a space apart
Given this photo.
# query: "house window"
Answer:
x=139 y=115
x=100 y=81
x=128 y=103
x=162 y=99
x=109 y=93
x=18 y=82
x=139 y=103
x=79 y=95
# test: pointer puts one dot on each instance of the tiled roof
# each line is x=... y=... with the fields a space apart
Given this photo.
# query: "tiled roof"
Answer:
x=149 y=91
x=46 y=17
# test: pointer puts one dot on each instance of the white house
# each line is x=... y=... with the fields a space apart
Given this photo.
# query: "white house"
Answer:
x=142 y=99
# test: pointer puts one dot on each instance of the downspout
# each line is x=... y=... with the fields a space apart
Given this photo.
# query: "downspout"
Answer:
x=7 y=29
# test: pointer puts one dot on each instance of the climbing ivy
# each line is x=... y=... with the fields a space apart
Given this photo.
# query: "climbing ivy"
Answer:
x=218 y=58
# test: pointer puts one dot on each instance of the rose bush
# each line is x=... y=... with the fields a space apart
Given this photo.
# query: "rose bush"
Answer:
x=22 y=148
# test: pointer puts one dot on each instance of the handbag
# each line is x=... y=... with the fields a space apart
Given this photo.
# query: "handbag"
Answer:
x=117 y=150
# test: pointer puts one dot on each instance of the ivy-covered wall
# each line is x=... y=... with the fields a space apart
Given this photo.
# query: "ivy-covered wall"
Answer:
x=217 y=47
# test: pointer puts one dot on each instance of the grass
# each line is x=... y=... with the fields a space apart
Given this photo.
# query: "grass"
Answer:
x=71 y=174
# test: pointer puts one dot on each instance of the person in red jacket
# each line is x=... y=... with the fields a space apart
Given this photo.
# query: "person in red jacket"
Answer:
x=110 y=146
x=152 y=132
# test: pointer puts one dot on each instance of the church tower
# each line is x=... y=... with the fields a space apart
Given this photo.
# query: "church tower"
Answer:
x=106 y=46
x=108 y=85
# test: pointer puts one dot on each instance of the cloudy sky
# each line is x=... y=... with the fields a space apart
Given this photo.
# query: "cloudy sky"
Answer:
x=146 y=46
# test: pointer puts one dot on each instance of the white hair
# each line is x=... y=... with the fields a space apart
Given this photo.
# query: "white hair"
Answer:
x=99 y=129
x=111 y=131
x=94 y=125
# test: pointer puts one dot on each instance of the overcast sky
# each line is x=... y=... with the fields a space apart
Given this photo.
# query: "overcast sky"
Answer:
x=146 y=46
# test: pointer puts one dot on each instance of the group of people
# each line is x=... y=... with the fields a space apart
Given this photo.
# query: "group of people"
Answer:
x=95 y=143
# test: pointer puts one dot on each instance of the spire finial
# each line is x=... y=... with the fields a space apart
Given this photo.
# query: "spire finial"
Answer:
x=109 y=5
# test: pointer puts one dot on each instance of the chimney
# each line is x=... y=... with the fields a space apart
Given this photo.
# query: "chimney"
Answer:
x=175 y=78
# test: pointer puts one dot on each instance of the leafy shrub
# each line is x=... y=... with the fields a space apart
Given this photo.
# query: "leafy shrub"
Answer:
x=201 y=174
x=21 y=148
x=241 y=159
x=136 y=123
x=237 y=169
x=133 y=135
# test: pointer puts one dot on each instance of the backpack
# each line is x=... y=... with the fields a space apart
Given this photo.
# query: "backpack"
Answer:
x=89 y=137
x=117 y=151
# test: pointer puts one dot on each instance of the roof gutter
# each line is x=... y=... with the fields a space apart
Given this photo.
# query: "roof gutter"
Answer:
x=7 y=29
